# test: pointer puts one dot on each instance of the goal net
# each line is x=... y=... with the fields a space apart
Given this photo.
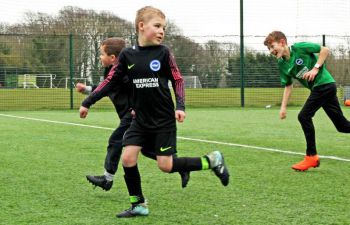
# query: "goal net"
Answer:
x=36 y=81
x=192 y=82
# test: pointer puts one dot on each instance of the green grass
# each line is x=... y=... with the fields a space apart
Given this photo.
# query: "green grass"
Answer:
x=43 y=99
x=43 y=167
x=58 y=98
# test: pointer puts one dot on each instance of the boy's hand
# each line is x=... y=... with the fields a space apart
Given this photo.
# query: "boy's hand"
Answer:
x=310 y=76
x=133 y=114
x=80 y=87
x=83 y=111
x=180 y=115
x=283 y=113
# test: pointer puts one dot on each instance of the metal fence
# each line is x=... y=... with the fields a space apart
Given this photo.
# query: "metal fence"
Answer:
x=39 y=71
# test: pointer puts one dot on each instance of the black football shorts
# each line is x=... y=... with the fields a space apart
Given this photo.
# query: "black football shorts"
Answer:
x=163 y=143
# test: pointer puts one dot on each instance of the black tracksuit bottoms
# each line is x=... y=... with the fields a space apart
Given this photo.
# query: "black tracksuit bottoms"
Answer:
x=324 y=96
x=115 y=147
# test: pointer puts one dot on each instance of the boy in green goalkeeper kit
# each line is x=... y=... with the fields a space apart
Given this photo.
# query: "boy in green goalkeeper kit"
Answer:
x=301 y=63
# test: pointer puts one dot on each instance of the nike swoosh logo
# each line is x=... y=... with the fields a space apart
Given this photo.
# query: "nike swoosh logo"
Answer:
x=164 y=149
x=130 y=66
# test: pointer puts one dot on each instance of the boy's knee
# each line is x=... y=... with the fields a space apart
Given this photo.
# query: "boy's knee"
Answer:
x=128 y=160
x=165 y=168
x=302 y=117
x=165 y=164
x=342 y=129
x=115 y=143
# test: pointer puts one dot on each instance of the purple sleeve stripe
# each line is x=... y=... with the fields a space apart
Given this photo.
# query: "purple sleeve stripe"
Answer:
x=179 y=87
x=107 y=80
x=174 y=68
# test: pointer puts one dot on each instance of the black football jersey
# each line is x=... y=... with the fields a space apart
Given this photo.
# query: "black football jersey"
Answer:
x=149 y=70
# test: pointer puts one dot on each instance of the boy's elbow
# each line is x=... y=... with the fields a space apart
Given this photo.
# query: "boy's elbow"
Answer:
x=290 y=86
x=325 y=50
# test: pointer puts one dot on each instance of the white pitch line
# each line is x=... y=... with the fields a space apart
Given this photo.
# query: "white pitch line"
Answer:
x=57 y=122
x=183 y=138
x=262 y=148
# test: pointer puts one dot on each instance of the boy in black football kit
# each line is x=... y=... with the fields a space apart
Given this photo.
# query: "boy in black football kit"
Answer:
x=110 y=49
x=149 y=66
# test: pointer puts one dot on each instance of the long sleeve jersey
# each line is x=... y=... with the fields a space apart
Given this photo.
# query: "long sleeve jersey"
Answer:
x=118 y=93
x=149 y=69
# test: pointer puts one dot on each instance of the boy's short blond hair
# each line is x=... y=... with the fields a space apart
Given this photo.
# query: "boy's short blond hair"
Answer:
x=274 y=36
x=145 y=14
x=113 y=46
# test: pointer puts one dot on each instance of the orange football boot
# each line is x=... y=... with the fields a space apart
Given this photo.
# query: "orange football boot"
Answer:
x=308 y=162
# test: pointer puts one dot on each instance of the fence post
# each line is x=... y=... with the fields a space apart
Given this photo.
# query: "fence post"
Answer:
x=241 y=71
x=323 y=40
x=71 y=69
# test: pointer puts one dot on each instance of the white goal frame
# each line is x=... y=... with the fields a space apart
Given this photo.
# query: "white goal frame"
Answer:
x=27 y=79
x=192 y=82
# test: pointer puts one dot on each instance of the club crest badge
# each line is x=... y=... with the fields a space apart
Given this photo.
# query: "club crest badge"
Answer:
x=299 y=61
x=155 y=65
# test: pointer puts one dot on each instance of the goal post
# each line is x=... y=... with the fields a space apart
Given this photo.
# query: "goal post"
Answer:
x=192 y=82
x=36 y=80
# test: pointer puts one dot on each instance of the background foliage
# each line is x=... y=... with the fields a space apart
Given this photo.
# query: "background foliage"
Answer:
x=41 y=45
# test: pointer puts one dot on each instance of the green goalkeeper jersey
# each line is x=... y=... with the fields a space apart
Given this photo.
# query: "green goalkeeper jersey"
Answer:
x=302 y=59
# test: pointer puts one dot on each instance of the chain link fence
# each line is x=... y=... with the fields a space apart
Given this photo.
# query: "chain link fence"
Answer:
x=40 y=71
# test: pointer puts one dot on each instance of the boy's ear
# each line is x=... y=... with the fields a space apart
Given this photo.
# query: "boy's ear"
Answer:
x=140 y=26
x=113 y=57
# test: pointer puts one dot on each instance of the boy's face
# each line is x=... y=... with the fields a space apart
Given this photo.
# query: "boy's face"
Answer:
x=106 y=60
x=277 y=48
x=153 y=31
